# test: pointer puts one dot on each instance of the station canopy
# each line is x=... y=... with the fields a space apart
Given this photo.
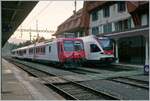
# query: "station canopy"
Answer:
x=13 y=14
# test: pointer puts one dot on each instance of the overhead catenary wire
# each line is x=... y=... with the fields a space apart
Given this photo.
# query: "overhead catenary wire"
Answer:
x=39 y=13
x=36 y=15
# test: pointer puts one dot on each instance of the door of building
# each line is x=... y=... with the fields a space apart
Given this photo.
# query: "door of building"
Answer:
x=132 y=50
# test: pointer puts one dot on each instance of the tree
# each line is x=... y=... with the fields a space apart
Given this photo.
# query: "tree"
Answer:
x=40 y=39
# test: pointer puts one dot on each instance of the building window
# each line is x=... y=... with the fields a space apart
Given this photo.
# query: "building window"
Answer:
x=100 y=29
x=107 y=28
x=95 y=30
x=123 y=25
x=81 y=33
x=121 y=6
x=94 y=15
x=144 y=20
x=106 y=12
x=94 y=48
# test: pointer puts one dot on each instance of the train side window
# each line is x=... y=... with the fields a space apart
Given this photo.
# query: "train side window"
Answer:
x=35 y=50
x=49 y=48
x=31 y=51
x=94 y=48
x=40 y=50
x=24 y=51
x=43 y=49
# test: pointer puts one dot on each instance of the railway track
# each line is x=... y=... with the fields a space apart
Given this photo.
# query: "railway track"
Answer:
x=70 y=90
x=136 y=80
x=132 y=82
x=83 y=71
x=107 y=67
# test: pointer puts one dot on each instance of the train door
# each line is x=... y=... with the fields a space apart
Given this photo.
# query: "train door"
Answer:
x=60 y=52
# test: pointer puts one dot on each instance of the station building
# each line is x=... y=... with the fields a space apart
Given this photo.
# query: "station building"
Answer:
x=74 y=26
x=127 y=22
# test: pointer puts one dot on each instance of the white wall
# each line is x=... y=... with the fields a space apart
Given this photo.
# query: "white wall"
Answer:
x=114 y=17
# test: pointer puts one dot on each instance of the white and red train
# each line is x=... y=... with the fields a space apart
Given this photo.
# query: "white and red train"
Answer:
x=60 y=51
x=98 y=49
x=63 y=51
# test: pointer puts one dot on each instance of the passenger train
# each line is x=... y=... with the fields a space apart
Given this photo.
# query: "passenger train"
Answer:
x=61 y=52
x=67 y=52
x=98 y=49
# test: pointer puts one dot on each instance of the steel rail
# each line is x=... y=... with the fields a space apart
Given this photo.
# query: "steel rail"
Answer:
x=65 y=94
x=129 y=83
x=135 y=79
x=68 y=96
x=60 y=91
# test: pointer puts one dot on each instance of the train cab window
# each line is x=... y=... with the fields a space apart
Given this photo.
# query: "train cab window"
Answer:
x=78 y=46
x=107 y=44
x=68 y=46
x=94 y=48
x=49 y=48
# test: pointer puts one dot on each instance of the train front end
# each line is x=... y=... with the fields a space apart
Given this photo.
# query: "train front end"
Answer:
x=107 y=44
x=73 y=54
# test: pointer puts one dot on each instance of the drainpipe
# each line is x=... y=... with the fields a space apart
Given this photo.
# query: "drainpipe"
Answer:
x=146 y=51
x=146 y=66
x=116 y=51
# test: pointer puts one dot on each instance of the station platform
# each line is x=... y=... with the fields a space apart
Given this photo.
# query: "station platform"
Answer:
x=125 y=65
x=18 y=85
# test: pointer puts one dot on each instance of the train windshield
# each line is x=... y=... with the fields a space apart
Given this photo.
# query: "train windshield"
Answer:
x=68 y=46
x=106 y=44
x=73 y=45
x=78 y=45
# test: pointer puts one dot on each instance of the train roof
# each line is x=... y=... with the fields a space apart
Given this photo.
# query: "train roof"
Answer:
x=45 y=43
x=32 y=45
x=89 y=37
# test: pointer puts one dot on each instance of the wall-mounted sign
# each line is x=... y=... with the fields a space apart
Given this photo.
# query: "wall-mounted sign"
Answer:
x=146 y=69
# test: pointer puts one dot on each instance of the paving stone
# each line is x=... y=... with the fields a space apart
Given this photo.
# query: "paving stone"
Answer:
x=17 y=85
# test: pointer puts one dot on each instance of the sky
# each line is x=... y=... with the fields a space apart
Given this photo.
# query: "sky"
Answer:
x=49 y=14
